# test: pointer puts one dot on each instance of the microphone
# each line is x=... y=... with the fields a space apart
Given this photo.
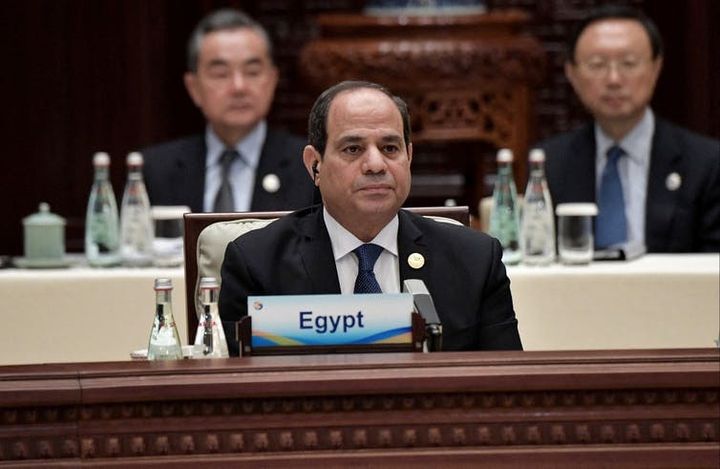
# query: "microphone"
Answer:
x=426 y=308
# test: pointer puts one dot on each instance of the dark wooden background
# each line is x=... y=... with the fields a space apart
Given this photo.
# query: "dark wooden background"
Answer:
x=86 y=75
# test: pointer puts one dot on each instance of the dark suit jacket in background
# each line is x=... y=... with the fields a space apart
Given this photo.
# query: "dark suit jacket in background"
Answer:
x=175 y=173
x=462 y=271
x=683 y=220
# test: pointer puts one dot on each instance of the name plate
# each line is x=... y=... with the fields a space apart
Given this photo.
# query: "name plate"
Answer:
x=311 y=320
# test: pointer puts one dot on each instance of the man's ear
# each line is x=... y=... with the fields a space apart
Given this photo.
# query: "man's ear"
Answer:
x=191 y=85
x=570 y=71
x=312 y=161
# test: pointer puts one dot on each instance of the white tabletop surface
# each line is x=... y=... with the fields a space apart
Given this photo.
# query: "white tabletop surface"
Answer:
x=657 y=301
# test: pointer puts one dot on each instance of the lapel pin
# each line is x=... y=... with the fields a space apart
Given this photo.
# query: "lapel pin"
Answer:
x=416 y=260
x=271 y=183
x=673 y=181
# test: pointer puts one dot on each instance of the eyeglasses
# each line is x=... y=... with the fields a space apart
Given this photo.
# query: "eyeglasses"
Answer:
x=599 y=67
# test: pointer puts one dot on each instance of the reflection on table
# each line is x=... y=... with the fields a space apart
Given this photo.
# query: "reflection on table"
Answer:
x=658 y=301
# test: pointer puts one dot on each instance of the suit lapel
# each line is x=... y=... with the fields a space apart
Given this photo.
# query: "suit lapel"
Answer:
x=411 y=242
x=273 y=160
x=317 y=255
x=661 y=202
x=190 y=168
x=579 y=177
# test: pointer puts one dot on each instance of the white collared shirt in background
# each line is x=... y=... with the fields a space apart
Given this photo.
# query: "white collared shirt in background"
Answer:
x=633 y=168
x=387 y=270
x=242 y=173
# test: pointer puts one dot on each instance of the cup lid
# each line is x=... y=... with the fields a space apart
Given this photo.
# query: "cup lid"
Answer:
x=43 y=217
x=169 y=212
x=576 y=210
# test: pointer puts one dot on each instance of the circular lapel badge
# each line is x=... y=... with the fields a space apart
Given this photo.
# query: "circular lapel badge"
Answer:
x=271 y=183
x=416 y=260
x=673 y=181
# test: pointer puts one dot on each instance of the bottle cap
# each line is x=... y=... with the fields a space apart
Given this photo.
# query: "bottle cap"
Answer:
x=101 y=159
x=163 y=284
x=134 y=159
x=207 y=283
x=537 y=155
x=504 y=155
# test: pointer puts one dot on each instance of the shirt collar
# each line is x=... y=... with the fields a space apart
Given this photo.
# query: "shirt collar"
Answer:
x=636 y=143
x=249 y=147
x=343 y=242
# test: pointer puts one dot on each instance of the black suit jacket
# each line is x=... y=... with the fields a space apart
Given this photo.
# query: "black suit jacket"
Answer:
x=175 y=173
x=683 y=220
x=462 y=271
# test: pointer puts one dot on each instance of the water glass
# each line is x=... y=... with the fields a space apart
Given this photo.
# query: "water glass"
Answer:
x=575 y=232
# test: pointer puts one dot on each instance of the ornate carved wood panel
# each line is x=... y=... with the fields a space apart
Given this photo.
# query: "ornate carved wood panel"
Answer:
x=642 y=408
x=465 y=78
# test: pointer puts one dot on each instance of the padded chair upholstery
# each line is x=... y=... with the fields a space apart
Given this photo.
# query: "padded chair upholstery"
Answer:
x=211 y=246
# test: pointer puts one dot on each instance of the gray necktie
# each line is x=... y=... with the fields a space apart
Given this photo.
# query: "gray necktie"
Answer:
x=224 y=201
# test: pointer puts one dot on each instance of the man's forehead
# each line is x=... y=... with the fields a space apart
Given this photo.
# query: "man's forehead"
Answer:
x=361 y=135
x=363 y=109
x=611 y=32
x=243 y=41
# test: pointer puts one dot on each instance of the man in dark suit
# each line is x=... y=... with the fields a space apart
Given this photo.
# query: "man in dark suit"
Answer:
x=359 y=155
x=667 y=179
x=239 y=163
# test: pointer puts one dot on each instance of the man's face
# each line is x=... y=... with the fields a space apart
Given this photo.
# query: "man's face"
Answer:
x=614 y=74
x=235 y=81
x=364 y=175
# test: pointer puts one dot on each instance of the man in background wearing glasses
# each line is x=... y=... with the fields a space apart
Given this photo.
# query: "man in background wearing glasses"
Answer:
x=657 y=186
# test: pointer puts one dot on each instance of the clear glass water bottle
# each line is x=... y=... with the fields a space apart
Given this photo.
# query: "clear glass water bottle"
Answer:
x=164 y=342
x=102 y=236
x=210 y=338
x=136 y=225
x=538 y=221
x=504 y=218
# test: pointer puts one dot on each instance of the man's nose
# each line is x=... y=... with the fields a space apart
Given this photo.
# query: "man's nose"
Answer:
x=238 y=80
x=374 y=160
x=613 y=73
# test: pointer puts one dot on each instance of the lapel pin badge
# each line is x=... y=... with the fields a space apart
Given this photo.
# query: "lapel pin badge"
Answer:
x=271 y=183
x=673 y=181
x=416 y=260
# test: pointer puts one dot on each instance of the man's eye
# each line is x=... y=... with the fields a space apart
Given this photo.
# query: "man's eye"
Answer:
x=218 y=73
x=390 y=149
x=353 y=149
x=253 y=72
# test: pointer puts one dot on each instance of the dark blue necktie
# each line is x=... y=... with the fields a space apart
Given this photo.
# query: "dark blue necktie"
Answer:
x=611 y=225
x=224 y=200
x=366 y=282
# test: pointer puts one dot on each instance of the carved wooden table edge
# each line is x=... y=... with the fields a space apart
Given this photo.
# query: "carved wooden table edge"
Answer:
x=644 y=408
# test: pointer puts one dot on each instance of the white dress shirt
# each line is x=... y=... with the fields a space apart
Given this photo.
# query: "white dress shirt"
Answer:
x=242 y=170
x=633 y=170
x=387 y=269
